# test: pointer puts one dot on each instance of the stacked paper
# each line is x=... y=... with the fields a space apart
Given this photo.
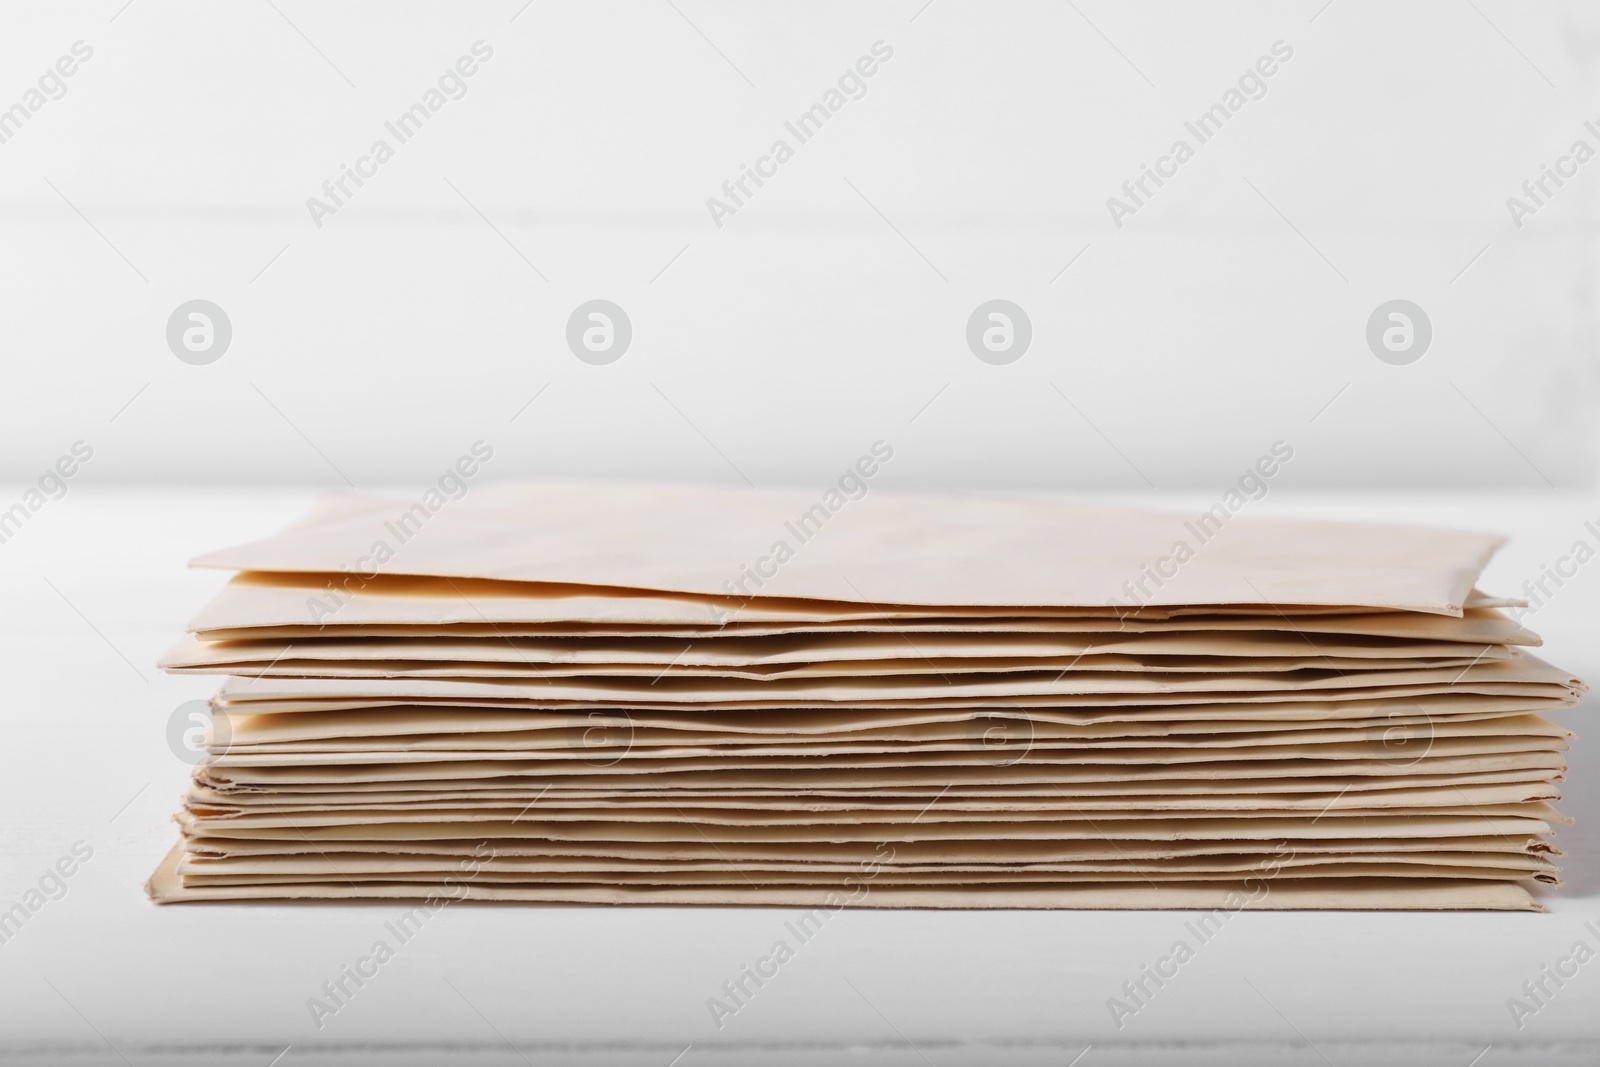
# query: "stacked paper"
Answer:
x=627 y=694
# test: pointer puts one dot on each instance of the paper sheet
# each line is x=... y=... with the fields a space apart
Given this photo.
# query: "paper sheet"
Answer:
x=597 y=687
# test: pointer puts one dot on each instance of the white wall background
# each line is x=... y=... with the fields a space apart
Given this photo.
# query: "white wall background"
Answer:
x=1222 y=317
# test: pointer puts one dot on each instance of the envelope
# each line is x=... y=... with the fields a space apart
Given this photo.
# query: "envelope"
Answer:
x=631 y=694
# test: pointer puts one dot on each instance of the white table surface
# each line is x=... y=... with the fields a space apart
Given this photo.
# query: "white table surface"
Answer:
x=95 y=588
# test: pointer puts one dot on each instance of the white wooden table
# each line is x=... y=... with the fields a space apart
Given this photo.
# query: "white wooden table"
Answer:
x=94 y=589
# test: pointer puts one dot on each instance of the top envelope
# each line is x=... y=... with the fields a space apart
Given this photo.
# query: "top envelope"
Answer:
x=882 y=548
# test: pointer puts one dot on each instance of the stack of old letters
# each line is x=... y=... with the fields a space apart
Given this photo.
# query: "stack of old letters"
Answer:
x=666 y=694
